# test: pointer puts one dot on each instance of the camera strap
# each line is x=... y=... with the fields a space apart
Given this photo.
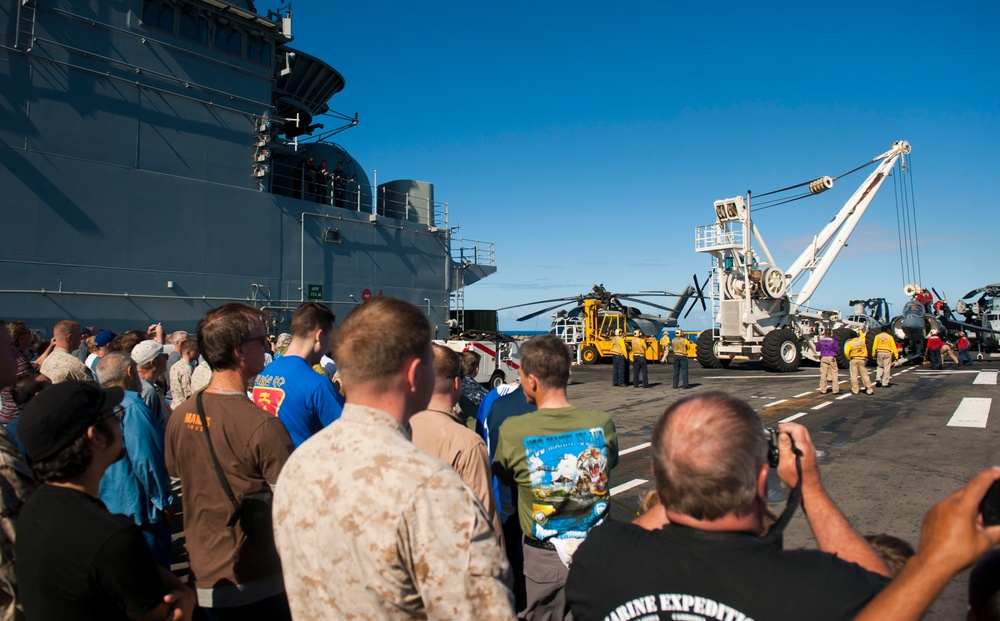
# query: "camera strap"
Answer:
x=776 y=533
x=215 y=460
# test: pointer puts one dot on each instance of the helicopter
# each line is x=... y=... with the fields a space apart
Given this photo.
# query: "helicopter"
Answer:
x=599 y=314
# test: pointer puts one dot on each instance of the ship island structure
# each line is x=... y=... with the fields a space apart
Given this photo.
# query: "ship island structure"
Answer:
x=155 y=163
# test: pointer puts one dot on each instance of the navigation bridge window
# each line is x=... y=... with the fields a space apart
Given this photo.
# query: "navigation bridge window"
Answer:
x=159 y=16
x=208 y=28
x=193 y=28
x=229 y=40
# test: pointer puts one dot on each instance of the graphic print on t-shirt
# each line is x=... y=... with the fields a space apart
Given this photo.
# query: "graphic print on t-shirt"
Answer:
x=268 y=399
x=569 y=482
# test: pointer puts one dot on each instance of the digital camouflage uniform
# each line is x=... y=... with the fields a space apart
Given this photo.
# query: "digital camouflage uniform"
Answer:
x=16 y=484
x=60 y=365
x=369 y=526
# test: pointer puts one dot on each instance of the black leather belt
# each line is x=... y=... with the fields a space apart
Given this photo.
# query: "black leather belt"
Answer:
x=537 y=543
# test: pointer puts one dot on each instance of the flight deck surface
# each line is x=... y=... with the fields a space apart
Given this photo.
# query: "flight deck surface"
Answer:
x=885 y=458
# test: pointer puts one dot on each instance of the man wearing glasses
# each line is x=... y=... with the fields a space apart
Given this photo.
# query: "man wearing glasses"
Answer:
x=72 y=553
x=237 y=575
x=137 y=486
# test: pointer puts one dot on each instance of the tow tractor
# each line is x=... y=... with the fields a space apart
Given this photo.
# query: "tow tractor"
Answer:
x=756 y=312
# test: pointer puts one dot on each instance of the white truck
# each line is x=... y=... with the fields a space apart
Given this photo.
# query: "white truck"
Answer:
x=499 y=358
x=757 y=313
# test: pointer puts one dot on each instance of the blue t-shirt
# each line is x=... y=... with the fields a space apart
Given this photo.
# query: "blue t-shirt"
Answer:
x=301 y=398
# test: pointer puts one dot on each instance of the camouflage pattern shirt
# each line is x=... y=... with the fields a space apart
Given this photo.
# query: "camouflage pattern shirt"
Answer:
x=60 y=365
x=368 y=526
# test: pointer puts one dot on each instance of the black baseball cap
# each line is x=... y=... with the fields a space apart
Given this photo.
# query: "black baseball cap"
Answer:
x=60 y=414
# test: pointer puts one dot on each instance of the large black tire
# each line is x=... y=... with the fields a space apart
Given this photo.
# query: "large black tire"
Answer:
x=705 y=351
x=781 y=351
x=497 y=380
x=869 y=341
x=842 y=335
x=590 y=355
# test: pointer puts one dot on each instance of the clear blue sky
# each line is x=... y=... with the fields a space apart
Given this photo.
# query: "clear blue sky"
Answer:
x=588 y=140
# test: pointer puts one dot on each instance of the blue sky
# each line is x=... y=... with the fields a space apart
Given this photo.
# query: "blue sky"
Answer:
x=588 y=140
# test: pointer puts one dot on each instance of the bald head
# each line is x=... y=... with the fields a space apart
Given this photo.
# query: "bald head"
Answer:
x=67 y=334
x=708 y=451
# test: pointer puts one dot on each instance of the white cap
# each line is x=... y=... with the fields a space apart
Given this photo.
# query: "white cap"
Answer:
x=145 y=352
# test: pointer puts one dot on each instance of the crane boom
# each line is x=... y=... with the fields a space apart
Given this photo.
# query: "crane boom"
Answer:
x=820 y=254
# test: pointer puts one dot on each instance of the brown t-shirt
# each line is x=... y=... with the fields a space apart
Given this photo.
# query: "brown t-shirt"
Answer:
x=252 y=447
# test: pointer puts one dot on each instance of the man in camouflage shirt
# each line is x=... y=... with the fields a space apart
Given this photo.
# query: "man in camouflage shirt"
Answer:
x=368 y=526
x=61 y=364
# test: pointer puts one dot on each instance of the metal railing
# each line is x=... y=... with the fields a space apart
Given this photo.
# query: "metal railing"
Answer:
x=473 y=252
x=715 y=237
x=294 y=182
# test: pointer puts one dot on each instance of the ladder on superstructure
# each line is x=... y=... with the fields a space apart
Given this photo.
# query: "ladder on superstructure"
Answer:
x=457 y=297
x=24 y=37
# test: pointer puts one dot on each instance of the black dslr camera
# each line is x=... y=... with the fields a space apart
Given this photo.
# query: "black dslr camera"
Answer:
x=773 y=456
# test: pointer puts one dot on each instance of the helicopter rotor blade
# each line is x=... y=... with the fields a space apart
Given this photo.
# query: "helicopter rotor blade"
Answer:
x=544 y=310
x=699 y=295
x=701 y=290
x=568 y=299
x=644 y=302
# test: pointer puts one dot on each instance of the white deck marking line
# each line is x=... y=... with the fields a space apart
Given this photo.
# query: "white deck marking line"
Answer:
x=803 y=394
x=775 y=402
x=793 y=417
x=633 y=449
x=971 y=412
x=845 y=396
x=821 y=405
x=624 y=487
x=986 y=377
x=946 y=371
x=772 y=376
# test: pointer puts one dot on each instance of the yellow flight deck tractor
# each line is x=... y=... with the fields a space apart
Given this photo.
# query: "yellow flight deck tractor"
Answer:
x=599 y=327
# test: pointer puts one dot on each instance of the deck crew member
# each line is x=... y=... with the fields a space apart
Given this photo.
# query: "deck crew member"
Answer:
x=963 y=350
x=857 y=352
x=618 y=352
x=639 y=360
x=680 y=345
x=885 y=351
x=933 y=349
x=827 y=348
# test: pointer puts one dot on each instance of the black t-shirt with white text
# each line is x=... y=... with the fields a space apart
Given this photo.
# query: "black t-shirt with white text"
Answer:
x=623 y=572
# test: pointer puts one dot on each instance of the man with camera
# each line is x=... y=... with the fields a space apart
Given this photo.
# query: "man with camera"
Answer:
x=710 y=461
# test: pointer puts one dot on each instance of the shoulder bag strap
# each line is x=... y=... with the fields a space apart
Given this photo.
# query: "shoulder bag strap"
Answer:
x=211 y=451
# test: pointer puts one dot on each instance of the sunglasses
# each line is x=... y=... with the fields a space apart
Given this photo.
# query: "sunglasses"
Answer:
x=256 y=339
x=118 y=412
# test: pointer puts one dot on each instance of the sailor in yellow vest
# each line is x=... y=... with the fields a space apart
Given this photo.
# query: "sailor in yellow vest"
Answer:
x=618 y=352
x=679 y=345
x=857 y=352
x=665 y=347
x=885 y=351
x=639 y=360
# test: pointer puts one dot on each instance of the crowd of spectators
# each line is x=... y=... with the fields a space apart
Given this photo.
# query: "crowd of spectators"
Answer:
x=354 y=472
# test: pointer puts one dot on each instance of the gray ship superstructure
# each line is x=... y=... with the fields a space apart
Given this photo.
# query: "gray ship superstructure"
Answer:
x=154 y=164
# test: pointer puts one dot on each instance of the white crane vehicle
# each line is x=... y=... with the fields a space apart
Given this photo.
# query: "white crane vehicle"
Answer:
x=760 y=309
